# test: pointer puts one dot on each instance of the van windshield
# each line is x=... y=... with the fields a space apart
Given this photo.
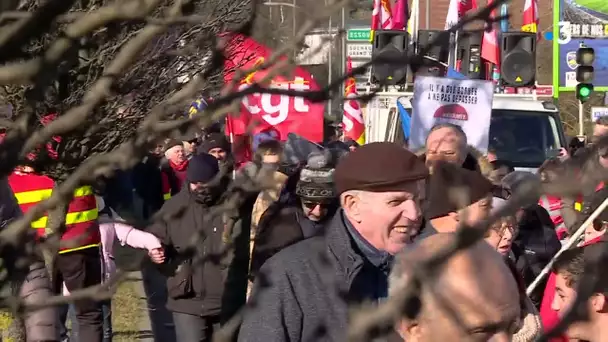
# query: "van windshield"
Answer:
x=523 y=138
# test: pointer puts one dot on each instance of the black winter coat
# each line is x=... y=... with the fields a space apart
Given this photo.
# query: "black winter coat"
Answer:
x=218 y=285
x=282 y=226
x=147 y=183
x=535 y=246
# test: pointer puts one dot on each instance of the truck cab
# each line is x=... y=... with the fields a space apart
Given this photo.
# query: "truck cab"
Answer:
x=524 y=131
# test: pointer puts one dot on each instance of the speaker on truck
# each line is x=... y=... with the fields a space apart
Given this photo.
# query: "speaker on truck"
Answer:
x=469 y=55
x=518 y=59
x=436 y=55
x=392 y=45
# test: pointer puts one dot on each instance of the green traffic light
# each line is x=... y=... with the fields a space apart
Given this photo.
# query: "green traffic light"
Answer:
x=584 y=92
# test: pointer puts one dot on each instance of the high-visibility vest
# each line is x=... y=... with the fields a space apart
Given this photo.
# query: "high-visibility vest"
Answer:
x=81 y=218
x=578 y=205
x=553 y=205
x=165 y=185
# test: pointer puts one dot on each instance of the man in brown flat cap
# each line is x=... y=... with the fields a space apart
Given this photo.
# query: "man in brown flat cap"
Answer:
x=455 y=194
x=303 y=292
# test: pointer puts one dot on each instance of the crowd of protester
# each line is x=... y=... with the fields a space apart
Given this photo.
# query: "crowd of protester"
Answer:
x=333 y=226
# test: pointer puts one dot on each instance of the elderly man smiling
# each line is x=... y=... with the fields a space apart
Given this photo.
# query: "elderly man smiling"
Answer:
x=308 y=286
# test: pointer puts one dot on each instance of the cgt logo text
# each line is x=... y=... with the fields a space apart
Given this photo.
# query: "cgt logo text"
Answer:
x=273 y=108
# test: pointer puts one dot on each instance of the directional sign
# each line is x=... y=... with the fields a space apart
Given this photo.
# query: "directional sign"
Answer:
x=358 y=35
x=359 y=50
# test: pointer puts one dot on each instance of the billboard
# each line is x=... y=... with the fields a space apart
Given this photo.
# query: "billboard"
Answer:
x=577 y=21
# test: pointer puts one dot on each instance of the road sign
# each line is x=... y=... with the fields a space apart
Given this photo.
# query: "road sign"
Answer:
x=358 y=35
x=598 y=112
x=359 y=50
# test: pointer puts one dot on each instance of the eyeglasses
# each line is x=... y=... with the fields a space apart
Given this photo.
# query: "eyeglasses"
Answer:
x=313 y=204
x=502 y=227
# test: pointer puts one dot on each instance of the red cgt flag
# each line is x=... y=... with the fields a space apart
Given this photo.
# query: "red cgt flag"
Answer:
x=263 y=112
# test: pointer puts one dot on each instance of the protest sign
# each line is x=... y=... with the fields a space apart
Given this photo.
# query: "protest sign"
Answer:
x=466 y=103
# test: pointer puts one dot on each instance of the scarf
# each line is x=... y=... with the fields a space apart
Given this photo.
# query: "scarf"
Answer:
x=179 y=167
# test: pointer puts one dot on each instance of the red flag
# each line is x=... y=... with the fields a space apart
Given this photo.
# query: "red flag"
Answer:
x=382 y=17
x=401 y=15
x=261 y=112
x=490 y=50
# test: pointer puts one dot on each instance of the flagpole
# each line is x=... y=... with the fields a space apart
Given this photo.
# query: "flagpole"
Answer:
x=454 y=59
x=343 y=45
x=330 y=59
x=427 y=17
x=417 y=22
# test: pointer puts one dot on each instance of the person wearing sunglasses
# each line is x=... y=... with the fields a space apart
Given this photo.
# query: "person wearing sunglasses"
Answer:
x=285 y=224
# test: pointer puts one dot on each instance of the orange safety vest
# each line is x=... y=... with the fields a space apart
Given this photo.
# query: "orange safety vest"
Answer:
x=81 y=218
x=166 y=186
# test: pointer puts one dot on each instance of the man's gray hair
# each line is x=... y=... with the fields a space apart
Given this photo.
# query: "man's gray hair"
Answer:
x=456 y=129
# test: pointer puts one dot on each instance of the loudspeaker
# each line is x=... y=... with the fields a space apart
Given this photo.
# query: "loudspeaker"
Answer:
x=392 y=45
x=436 y=56
x=469 y=55
x=518 y=59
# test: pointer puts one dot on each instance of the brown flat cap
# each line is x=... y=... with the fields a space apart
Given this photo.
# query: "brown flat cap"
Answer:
x=378 y=167
x=445 y=177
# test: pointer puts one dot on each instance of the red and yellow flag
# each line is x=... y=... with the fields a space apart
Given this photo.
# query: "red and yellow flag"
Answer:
x=352 y=120
x=382 y=17
x=530 y=19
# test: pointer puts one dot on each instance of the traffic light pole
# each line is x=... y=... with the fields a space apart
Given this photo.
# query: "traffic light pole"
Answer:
x=581 y=117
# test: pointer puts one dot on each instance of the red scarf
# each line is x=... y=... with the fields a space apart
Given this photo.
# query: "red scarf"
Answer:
x=179 y=167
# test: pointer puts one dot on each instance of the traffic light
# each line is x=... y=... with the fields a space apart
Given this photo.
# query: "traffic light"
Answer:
x=390 y=44
x=584 y=72
x=518 y=59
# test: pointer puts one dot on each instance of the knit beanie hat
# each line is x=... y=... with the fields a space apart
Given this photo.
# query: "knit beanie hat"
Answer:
x=316 y=181
x=202 y=168
x=214 y=140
